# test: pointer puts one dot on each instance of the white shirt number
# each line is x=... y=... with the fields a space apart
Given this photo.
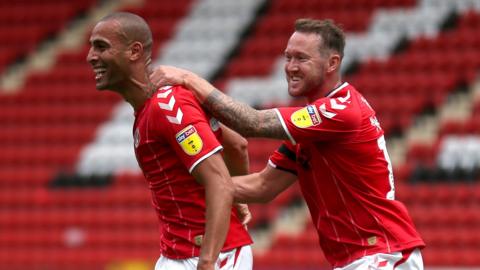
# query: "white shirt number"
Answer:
x=383 y=146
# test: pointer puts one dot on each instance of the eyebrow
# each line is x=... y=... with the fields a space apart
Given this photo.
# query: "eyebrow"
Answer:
x=99 y=40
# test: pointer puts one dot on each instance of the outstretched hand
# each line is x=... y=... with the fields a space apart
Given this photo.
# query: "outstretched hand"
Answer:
x=168 y=75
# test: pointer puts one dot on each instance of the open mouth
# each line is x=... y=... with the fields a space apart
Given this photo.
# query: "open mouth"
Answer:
x=99 y=73
x=295 y=79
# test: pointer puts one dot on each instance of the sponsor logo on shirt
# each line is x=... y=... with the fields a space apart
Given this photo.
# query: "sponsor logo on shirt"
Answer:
x=306 y=117
x=190 y=140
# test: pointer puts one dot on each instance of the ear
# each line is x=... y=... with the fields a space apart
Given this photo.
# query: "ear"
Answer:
x=136 y=51
x=333 y=62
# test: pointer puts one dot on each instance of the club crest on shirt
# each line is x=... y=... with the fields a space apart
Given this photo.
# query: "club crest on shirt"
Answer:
x=306 y=117
x=372 y=240
x=190 y=141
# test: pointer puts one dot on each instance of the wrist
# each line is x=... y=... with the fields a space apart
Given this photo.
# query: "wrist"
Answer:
x=202 y=262
x=199 y=86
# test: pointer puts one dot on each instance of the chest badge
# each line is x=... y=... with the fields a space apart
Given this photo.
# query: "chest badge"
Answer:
x=190 y=141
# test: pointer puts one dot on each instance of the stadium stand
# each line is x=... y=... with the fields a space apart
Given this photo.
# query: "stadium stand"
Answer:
x=72 y=196
x=25 y=24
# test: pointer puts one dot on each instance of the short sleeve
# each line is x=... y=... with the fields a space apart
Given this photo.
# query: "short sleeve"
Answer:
x=284 y=158
x=185 y=126
x=326 y=119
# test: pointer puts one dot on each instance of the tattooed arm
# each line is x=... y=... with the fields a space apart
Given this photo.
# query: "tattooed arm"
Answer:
x=239 y=116
x=243 y=118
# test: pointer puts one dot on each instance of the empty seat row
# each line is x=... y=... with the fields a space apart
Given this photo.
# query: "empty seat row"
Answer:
x=298 y=5
x=71 y=258
x=79 y=113
x=24 y=25
x=13 y=176
x=77 y=197
x=43 y=134
x=457 y=215
x=58 y=94
x=61 y=217
x=454 y=256
x=151 y=9
x=449 y=237
x=79 y=237
x=53 y=14
x=440 y=194
x=56 y=154
x=276 y=25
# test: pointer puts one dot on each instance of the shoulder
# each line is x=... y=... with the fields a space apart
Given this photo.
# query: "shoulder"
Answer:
x=175 y=94
x=169 y=98
x=342 y=104
x=177 y=105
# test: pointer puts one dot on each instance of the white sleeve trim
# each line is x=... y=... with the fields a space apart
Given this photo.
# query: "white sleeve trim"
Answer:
x=272 y=164
x=218 y=148
x=285 y=126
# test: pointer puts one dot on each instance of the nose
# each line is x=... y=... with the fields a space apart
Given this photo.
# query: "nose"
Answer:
x=291 y=65
x=92 y=57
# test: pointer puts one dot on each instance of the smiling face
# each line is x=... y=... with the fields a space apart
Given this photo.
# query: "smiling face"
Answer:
x=108 y=56
x=305 y=66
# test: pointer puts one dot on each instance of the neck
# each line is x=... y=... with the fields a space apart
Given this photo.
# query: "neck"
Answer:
x=137 y=89
x=329 y=84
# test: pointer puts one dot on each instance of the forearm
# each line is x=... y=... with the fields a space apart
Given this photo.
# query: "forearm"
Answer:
x=239 y=116
x=237 y=164
x=219 y=199
x=263 y=186
x=251 y=189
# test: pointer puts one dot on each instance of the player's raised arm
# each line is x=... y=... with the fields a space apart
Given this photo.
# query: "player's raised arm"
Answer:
x=213 y=175
x=239 y=116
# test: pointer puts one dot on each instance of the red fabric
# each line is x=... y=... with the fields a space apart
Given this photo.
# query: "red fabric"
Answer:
x=237 y=253
x=179 y=201
x=382 y=264
x=345 y=176
x=223 y=262
x=405 y=255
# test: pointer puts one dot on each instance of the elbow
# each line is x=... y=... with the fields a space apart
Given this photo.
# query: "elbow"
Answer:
x=243 y=145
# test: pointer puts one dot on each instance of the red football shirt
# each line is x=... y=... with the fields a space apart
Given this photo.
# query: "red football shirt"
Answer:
x=172 y=134
x=338 y=151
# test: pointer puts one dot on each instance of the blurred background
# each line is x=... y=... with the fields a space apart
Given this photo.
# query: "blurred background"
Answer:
x=72 y=196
